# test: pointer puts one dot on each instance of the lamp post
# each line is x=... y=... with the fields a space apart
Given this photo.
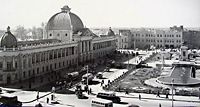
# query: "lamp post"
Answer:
x=128 y=62
x=172 y=92
x=87 y=75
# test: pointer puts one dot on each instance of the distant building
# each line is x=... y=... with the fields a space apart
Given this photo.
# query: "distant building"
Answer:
x=191 y=38
x=145 y=38
x=67 y=43
x=125 y=39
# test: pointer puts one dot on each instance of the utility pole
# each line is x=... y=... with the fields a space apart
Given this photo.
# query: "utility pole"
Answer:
x=87 y=80
x=172 y=92
x=135 y=50
x=128 y=61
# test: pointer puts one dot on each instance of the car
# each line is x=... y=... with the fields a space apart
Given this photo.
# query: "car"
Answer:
x=133 y=105
x=99 y=75
x=8 y=100
x=109 y=96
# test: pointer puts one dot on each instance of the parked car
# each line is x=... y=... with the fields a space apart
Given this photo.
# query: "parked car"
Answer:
x=8 y=100
x=99 y=75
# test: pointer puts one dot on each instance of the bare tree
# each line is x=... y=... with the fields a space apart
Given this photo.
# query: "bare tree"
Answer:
x=20 y=32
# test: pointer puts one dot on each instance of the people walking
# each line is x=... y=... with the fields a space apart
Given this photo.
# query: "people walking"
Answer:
x=139 y=97
x=126 y=92
x=159 y=105
x=52 y=97
x=158 y=94
x=47 y=100
x=90 y=91
x=37 y=97
x=167 y=95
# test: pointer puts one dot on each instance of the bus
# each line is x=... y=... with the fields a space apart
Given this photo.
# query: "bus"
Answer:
x=109 y=96
x=98 y=102
x=88 y=76
x=8 y=100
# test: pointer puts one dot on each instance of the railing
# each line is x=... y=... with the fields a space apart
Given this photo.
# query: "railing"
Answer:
x=35 y=46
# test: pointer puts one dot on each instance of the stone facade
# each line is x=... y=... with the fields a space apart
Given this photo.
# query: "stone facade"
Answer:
x=30 y=59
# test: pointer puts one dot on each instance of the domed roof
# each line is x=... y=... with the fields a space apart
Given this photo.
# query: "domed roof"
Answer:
x=65 y=20
x=8 y=40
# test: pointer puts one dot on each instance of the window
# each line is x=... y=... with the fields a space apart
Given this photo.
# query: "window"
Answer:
x=33 y=72
x=47 y=68
x=29 y=73
x=9 y=65
x=58 y=34
x=1 y=65
x=59 y=64
x=16 y=77
x=55 y=54
x=63 y=63
x=15 y=64
x=24 y=74
x=55 y=65
x=72 y=50
x=38 y=70
x=1 y=77
x=50 y=34
x=43 y=69
x=66 y=34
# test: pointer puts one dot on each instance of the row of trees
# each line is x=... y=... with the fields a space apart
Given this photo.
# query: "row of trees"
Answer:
x=32 y=33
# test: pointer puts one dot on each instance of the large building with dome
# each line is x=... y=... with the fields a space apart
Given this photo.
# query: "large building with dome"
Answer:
x=66 y=43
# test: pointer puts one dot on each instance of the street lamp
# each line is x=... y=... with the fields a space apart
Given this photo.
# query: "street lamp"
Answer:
x=128 y=61
x=135 y=50
x=87 y=78
x=172 y=92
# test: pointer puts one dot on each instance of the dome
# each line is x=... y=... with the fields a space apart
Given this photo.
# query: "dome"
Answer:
x=8 y=40
x=65 y=20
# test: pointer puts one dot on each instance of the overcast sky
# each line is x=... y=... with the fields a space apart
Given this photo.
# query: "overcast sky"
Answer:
x=103 y=13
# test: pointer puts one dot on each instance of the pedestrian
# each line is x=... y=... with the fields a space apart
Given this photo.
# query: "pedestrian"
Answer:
x=158 y=94
x=52 y=97
x=37 y=95
x=167 y=95
x=139 y=97
x=90 y=90
x=47 y=100
x=159 y=105
x=126 y=92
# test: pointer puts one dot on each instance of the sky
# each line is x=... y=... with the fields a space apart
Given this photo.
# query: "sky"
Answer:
x=103 y=13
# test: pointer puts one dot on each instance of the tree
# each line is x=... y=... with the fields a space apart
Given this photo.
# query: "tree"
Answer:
x=20 y=32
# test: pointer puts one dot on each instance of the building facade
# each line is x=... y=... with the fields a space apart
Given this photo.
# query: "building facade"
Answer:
x=191 y=38
x=67 y=43
x=145 y=38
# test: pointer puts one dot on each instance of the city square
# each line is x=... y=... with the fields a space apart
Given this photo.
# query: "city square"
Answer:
x=64 y=63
